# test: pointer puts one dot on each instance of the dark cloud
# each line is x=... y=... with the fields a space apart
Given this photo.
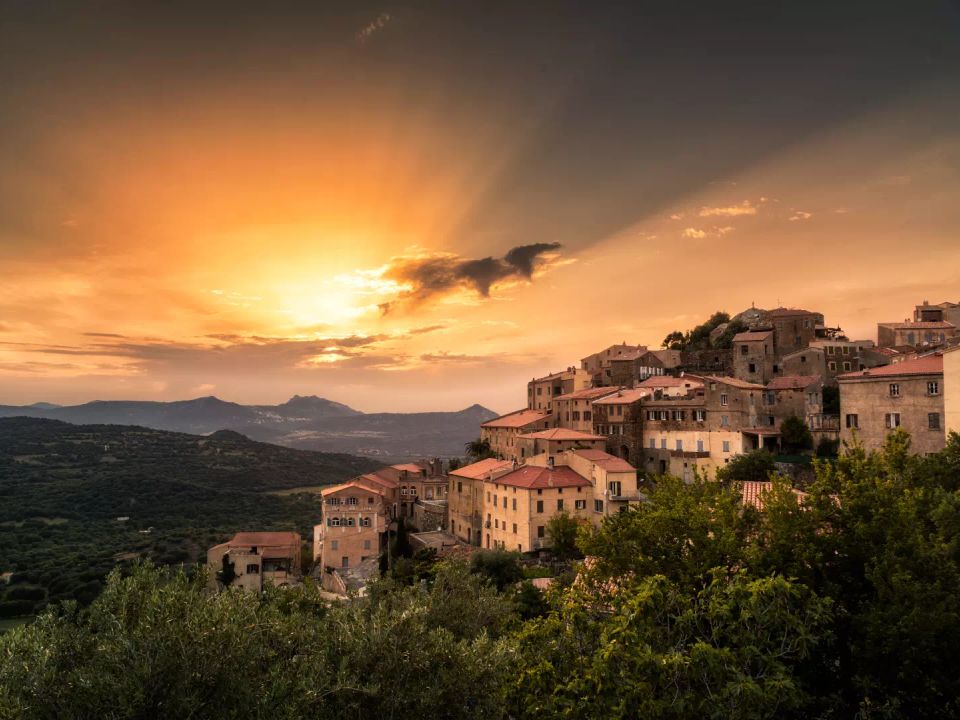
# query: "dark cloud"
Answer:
x=427 y=329
x=439 y=274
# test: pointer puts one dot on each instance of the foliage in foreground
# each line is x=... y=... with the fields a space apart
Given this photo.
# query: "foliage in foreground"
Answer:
x=843 y=604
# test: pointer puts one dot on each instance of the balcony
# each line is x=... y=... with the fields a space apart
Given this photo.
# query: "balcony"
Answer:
x=690 y=453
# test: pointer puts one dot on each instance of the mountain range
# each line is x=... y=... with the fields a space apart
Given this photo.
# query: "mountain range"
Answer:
x=308 y=423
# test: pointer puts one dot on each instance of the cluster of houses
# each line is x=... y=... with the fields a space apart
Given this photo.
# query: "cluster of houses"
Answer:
x=587 y=432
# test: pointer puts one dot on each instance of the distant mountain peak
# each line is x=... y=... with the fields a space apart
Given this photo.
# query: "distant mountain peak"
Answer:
x=44 y=406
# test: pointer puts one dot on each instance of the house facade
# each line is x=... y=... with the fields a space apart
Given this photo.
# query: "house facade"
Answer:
x=908 y=394
x=258 y=559
x=502 y=432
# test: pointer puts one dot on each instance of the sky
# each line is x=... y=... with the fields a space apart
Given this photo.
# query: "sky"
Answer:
x=409 y=206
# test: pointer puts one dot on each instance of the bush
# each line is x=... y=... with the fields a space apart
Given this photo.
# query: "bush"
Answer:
x=500 y=567
x=756 y=465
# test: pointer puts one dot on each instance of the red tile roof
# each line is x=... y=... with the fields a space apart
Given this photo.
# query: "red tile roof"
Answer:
x=587 y=394
x=929 y=365
x=610 y=463
x=409 y=467
x=670 y=381
x=482 y=468
x=734 y=382
x=752 y=492
x=625 y=397
x=562 y=434
x=754 y=336
x=792 y=382
x=517 y=419
x=264 y=539
x=534 y=476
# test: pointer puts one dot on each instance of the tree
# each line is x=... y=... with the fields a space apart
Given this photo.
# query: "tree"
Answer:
x=795 y=435
x=226 y=575
x=675 y=341
x=500 y=567
x=756 y=465
x=454 y=464
x=562 y=531
x=529 y=601
x=734 y=327
x=831 y=400
x=479 y=450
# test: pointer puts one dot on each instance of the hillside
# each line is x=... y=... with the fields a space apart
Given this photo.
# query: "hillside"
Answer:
x=63 y=488
x=309 y=423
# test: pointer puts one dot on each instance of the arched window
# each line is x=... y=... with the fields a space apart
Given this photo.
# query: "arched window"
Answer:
x=335 y=522
x=349 y=522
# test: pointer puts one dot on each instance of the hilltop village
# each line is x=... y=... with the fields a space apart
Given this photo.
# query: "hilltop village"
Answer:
x=592 y=437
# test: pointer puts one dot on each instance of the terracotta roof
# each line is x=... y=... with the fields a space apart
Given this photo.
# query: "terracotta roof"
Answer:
x=792 y=382
x=909 y=325
x=409 y=467
x=364 y=482
x=669 y=358
x=753 y=336
x=482 y=468
x=928 y=365
x=562 y=434
x=534 y=476
x=752 y=492
x=656 y=381
x=734 y=382
x=264 y=539
x=610 y=463
x=517 y=419
x=587 y=394
x=624 y=397
x=280 y=552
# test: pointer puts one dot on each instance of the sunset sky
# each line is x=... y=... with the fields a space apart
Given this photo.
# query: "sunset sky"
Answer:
x=420 y=205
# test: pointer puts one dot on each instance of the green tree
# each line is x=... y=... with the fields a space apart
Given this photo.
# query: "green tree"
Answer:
x=675 y=340
x=795 y=435
x=500 y=567
x=755 y=465
x=734 y=327
x=478 y=450
x=562 y=531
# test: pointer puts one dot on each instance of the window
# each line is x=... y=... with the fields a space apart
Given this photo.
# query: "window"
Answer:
x=614 y=488
x=830 y=349
x=253 y=569
x=663 y=443
x=846 y=349
x=365 y=522
x=494 y=500
x=726 y=446
x=598 y=505
x=514 y=503
x=541 y=531
x=496 y=523
x=933 y=421
x=771 y=397
x=504 y=502
x=700 y=415
x=771 y=420
x=725 y=421
x=539 y=506
x=723 y=399
x=334 y=522
x=752 y=367
x=459 y=486
x=580 y=504
x=333 y=501
x=853 y=420
x=832 y=365
x=846 y=366
x=894 y=390
x=349 y=522
x=560 y=504
x=366 y=544
x=334 y=544
x=680 y=445
x=699 y=445
x=892 y=420
x=933 y=388
x=345 y=561
x=743 y=350
x=514 y=528
x=351 y=501
x=653 y=444
x=586 y=415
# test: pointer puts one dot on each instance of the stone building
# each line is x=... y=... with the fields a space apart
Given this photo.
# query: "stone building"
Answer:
x=754 y=356
x=556 y=440
x=951 y=389
x=940 y=312
x=797 y=395
x=542 y=391
x=792 y=328
x=509 y=506
x=258 y=559
x=831 y=357
x=354 y=523
x=914 y=334
x=574 y=410
x=597 y=365
x=618 y=418
x=909 y=394
x=633 y=368
x=502 y=432
x=700 y=431
x=465 y=495
x=807 y=361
